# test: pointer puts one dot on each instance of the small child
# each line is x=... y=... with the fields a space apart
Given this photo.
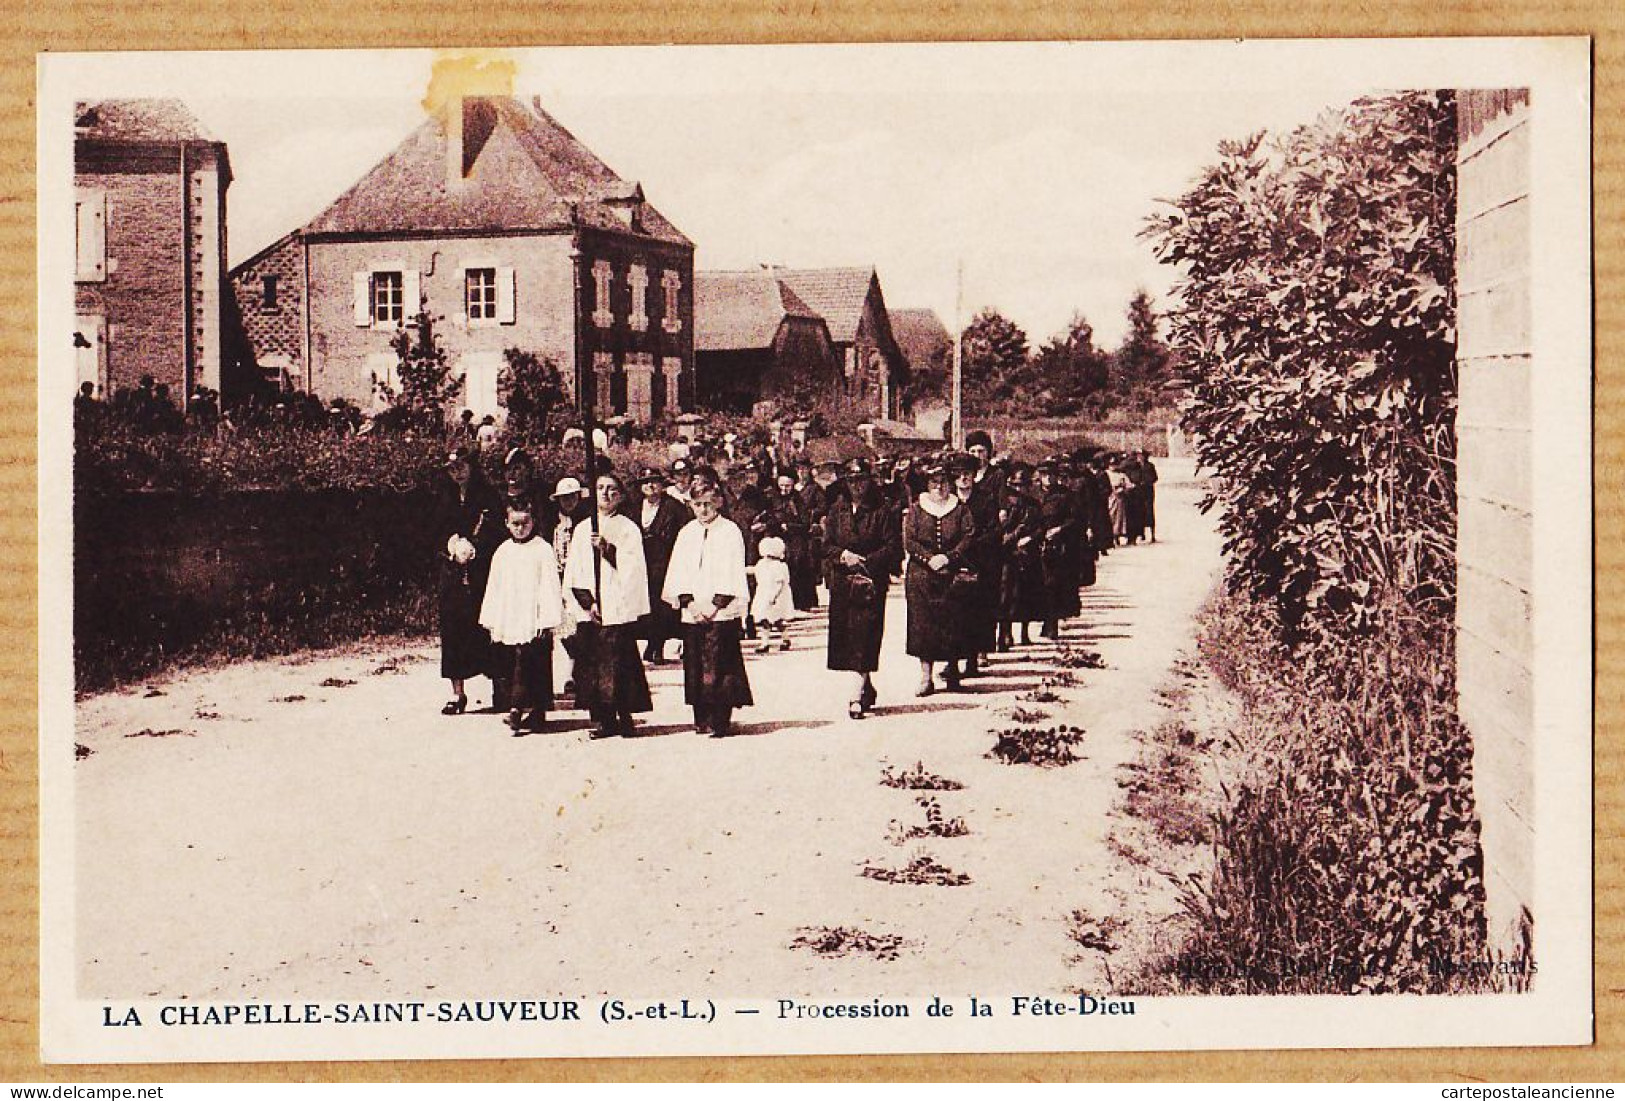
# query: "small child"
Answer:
x=523 y=604
x=772 y=604
x=706 y=583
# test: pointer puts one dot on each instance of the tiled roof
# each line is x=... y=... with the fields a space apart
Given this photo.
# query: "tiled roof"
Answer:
x=838 y=294
x=921 y=335
x=742 y=310
x=137 y=120
x=526 y=172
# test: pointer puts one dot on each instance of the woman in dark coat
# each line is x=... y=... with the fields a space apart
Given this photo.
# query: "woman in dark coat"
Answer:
x=660 y=517
x=1056 y=554
x=1021 y=576
x=861 y=548
x=980 y=610
x=469 y=529
x=792 y=524
x=938 y=534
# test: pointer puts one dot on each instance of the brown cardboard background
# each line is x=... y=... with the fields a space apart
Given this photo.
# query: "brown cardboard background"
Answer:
x=31 y=26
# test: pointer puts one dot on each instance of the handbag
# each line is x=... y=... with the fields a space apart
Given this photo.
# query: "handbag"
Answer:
x=963 y=584
x=861 y=590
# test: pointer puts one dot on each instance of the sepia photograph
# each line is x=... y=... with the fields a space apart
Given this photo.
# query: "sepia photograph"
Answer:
x=786 y=549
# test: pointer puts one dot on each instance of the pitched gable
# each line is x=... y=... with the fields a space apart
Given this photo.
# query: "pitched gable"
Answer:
x=513 y=168
x=838 y=294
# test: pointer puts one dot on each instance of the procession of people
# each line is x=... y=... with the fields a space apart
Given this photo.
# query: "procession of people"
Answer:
x=726 y=547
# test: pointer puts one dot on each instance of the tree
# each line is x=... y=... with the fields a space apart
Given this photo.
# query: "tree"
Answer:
x=993 y=351
x=425 y=385
x=1316 y=317
x=1064 y=374
x=1141 y=364
x=532 y=390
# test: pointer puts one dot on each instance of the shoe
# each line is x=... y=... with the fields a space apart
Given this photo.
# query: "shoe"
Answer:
x=456 y=706
x=516 y=719
x=535 y=722
x=854 y=710
x=784 y=644
x=971 y=668
x=763 y=647
x=867 y=698
x=926 y=688
x=603 y=730
x=702 y=728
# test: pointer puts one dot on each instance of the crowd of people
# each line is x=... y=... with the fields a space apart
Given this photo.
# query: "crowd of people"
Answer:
x=722 y=549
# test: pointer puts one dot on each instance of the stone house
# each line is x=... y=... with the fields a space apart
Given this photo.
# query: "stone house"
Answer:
x=498 y=222
x=149 y=246
x=756 y=340
x=873 y=370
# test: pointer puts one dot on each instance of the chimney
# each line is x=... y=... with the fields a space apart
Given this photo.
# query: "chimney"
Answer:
x=454 y=141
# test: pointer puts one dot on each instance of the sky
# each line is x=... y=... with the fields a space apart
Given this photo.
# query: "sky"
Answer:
x=1029 y=167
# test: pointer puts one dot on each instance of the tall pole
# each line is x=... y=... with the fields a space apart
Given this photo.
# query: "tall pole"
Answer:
x=957 y=414
x=586 y=398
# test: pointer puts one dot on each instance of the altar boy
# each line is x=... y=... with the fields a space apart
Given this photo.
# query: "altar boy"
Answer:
x=706 y=582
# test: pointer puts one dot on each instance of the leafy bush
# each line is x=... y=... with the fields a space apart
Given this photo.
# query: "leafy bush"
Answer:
x=833 y=942
x=1316 y=323
x=1047 y=748
x=923 y=870
x=936 y=824
x=917 y=779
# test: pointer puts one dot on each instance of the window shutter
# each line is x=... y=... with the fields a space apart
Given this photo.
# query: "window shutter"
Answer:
x=90 y=216
x=363 y=299
x=505 y=295
x=411 y=295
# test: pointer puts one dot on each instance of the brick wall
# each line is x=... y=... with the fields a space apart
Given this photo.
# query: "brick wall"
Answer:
x=1494 y=640
x=165 y=235
x=273 y=334
x=143 y=294
x=345 y=356
x=669 y=347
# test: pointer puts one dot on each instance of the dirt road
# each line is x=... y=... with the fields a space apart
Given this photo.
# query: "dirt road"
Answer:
x=314 y=827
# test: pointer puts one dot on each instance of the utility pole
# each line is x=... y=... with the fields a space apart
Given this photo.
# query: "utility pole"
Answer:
x=957 y=412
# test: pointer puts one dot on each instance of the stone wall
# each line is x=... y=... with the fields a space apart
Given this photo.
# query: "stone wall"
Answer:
x=1495 y=645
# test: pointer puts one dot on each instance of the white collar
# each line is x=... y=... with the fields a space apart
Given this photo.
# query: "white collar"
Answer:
x=939 y=511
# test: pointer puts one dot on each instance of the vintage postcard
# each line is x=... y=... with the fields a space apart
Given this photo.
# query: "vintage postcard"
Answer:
x=815 y=549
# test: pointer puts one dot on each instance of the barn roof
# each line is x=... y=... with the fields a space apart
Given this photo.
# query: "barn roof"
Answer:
x=742 y=310
x=838 y=294
x=521 y=170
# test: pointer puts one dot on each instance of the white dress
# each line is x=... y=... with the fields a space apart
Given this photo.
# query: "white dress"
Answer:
x=772 y=602
x=522 y=596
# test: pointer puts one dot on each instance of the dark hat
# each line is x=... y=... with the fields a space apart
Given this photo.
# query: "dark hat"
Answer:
x=515 y=457
x=681 y=466
x=978 y=438
x=961 y=462
x=650 y=474
x=932 y=469
x=460 y=455
x=859 y=468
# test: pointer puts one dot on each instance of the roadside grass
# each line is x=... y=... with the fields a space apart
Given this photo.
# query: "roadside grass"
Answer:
x=1333 y=824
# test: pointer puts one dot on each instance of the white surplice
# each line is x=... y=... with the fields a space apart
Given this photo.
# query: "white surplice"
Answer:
x=522 y=597
x=708 y=561
x=625 y=585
